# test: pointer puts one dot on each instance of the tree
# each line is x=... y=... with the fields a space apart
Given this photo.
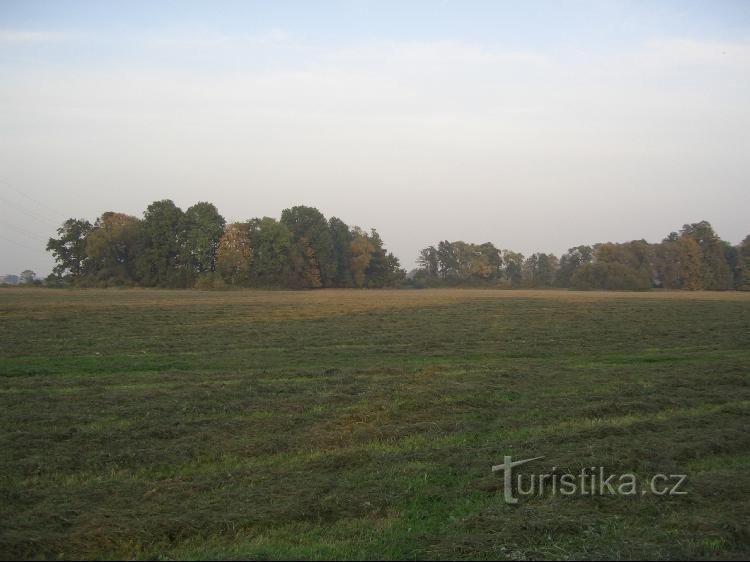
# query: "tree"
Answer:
x=201 y=227
x=312 y=236
x=744 y=264
x=234 y=254
x=361 y=251
x=172 y=248
x=69 y=250
x=513 y=267
x=732 y=258
x=342 y=238
x=619 y=266
x=273 y=253
x=26 y=277
x=159 y=246
x=635 y=254
x=384 y=269
x=610 y=276
x=715 y=271
x=677 y=263
x=447 y=261
x=488 y=263
x=539 y=270
x=111 y=247
x=461 y=262
x=457 y=260
x=428 y=262
x=571 y=261
x=468 y=262
x=695 y=258
x=310 y=266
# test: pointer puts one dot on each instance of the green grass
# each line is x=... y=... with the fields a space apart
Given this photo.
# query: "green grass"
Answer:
x=363 y=424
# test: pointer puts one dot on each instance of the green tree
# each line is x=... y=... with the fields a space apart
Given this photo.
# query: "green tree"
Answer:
x=274 y=253
x=631 y=260
x=610 y=276
x=744 y=264
x=201 y=227
x=489 y=263
x=26 y=277
x=732 y=257
x=159 y=246
x=539 y=270
x=428 y=262
x=384 y=269
x=111 y=247
x=571 y=261
x=69 y=249
x=636 y=254
x=342 y=237
x=513 y=267
x=460 y=259
x=312 y=236
x=447 y=261
x=461 y=262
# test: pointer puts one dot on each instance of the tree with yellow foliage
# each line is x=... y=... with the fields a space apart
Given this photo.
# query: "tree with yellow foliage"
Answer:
x=234 y=254
x=361 y=250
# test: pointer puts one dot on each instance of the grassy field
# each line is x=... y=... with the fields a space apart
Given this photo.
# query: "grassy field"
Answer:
x=363 y=424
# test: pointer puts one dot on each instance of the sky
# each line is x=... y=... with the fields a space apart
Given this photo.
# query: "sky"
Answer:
x=537 y=126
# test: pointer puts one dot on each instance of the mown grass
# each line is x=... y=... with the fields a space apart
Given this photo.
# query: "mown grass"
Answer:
x=363 y=424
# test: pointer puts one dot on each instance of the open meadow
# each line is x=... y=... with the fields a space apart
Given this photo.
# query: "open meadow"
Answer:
x=364 y=423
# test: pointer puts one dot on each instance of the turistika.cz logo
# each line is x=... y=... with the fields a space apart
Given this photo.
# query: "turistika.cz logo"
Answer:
x=589 y=481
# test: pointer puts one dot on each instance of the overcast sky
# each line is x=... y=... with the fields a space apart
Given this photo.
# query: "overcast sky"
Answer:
x=534 y=125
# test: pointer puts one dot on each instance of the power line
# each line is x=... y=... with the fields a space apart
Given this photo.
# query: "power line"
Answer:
x=28 y=213
x=30 y=234
x=46 y=208
x=20 y=244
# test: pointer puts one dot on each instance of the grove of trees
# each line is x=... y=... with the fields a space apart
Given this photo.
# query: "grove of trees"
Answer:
x=170 y=247
x=695 y=258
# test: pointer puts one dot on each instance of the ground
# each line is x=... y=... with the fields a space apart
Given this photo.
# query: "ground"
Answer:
x=364 y=424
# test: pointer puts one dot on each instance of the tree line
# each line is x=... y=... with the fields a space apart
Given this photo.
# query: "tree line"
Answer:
x=695 y=258
x=169 y=247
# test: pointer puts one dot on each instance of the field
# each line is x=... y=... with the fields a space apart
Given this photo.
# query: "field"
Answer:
x=364 y=424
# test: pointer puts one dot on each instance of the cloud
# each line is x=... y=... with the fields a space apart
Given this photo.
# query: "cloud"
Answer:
x=18 y=36
x=206 y=40
x=431 y=53
x=688 y=52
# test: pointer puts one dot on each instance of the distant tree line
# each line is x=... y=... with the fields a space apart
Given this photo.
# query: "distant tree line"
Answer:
x=25 y=278
x=170 y=247
x=695 y=258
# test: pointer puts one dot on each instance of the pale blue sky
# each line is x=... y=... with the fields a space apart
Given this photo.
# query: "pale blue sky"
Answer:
x=541 y=24
x=534 y=125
